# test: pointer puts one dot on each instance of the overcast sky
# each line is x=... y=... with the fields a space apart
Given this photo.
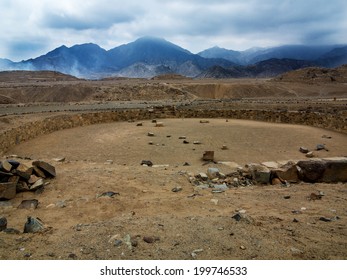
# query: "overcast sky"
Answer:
x=31 y=28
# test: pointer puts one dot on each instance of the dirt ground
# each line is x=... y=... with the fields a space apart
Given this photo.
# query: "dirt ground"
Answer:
x=189 y=224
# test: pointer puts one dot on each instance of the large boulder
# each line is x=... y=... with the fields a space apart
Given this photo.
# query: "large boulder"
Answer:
x=335 y=170
x=311 y=170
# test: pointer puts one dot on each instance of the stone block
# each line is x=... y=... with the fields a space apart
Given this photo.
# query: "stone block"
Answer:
x=311 y=171
x=335 y=170
x=7 y=190
x=288 y=172
x=260 y=173
x=208 y=156
x=47 y=168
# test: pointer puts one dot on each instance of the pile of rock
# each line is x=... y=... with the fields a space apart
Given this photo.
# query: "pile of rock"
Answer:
x=218 y=181
x=327 y=170
x=17 y=177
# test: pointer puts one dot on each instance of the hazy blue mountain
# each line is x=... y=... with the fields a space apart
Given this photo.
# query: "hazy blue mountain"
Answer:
x=151 y=56
x=155 y=52
x=297 y=52
x=79 y=60
x=6 y=64
x=217 y=52
x=267 y=68
x=334 y=58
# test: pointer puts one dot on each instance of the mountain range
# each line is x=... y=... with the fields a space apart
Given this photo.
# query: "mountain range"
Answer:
x=151 y=56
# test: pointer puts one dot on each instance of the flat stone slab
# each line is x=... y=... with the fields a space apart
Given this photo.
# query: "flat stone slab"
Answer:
x=8 y=190
x=46 y=168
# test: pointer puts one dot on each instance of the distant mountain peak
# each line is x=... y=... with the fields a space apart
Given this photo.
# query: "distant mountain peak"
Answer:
x=149 y=55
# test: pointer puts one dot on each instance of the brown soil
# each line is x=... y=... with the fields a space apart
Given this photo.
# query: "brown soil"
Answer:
x=86 y=226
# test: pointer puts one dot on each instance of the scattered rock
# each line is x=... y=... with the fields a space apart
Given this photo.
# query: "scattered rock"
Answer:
x=146 y=163
x=242 y=217
x=139 y=124
x=202 y=176
x=326 y=136
x=324 y=219
x=215 y=201
x=197 y=143
x=33 y=225
x=109 y=161
x=176 y=189
x=151 y=239
x=28 y=204
x=242 y=247
x=185 y=142
x=321 y=147
x=195 y=252
x=208 y=156
x=108 y=194
x=224 y=147
x=72 y=256
x=62 y=159
x=3 y=223
x=186 y=164
x=182 y=137
x=303 y=150
x=286 y=197
x=314 y=196
x=151 y=134
x=296 y=251
x=159 y=124
x=118 y=242
x=295 y=220
x=204 y=121
x=310 y=155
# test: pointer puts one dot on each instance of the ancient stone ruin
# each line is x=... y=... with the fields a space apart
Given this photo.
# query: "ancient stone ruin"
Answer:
x=326 y=170
x=16 y=177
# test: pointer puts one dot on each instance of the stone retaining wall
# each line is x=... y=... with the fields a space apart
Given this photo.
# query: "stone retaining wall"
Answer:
x=30 y=130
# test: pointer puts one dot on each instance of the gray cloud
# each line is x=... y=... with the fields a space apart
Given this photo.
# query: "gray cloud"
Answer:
x=194 y=24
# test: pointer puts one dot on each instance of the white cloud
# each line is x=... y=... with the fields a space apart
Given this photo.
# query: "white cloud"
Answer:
x=31 y=28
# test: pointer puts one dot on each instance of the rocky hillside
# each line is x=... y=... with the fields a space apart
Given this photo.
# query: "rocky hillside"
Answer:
x=316 y=74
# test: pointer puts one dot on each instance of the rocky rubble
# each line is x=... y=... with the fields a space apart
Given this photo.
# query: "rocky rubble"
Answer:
x=16 y=177
x=328 y=170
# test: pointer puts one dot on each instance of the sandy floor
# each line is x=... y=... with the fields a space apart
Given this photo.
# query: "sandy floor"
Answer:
x=86 y=226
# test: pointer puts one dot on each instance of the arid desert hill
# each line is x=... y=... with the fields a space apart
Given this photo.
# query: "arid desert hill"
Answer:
x=45 y=86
